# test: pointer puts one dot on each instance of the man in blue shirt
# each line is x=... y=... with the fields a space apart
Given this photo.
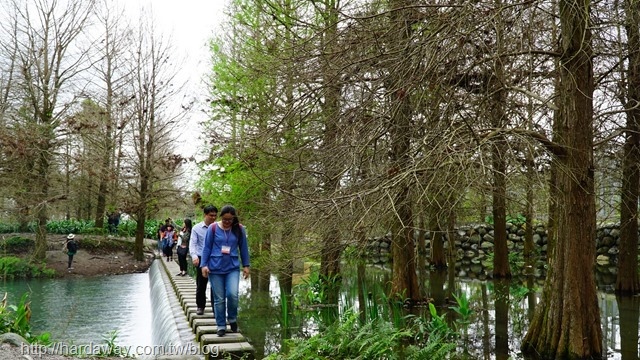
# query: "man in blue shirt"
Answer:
x=196 y=244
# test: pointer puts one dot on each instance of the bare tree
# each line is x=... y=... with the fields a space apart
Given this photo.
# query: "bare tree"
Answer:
x=48 y=58
x=114 y=98
x=151 y=165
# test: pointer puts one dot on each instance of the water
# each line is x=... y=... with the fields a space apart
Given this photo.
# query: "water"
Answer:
x=85 y=310
x=496 y=329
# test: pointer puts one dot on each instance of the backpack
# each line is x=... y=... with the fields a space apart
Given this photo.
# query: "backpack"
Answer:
x=72 y=246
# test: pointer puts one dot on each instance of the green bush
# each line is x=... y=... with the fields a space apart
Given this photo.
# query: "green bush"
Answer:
x=151 y=228
x=8 y=228
x=70 y=226
x=126 y=228
x=17 y=244
x=12 y=267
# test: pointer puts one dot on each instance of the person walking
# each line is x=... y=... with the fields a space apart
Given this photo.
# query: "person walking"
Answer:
x=196 y=244
x=169 y=241
x=72 y=248
x=224 y=242
x=183 y=246
x=161 y=231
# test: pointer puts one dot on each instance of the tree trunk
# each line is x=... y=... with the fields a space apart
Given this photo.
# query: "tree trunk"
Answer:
x=141 y=217
x=332 y=248
x=567 y=321
x=422 y=245
x=138 y=247
x=496 y=83
x=529 y=215
x=42 y=216
x=405 y=279
x=438 y=260
x=500 y=260
x=627 y=281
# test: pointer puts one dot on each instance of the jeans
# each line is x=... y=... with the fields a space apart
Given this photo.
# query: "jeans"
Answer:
x=225 y=297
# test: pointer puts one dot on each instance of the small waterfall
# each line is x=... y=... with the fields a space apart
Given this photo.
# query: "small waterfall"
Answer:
x=164 y=322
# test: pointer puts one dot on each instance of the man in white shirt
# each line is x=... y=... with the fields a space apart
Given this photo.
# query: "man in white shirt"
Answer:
x=196 y=243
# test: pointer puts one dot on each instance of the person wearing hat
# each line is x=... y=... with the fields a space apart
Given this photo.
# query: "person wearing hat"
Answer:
x=72 y=248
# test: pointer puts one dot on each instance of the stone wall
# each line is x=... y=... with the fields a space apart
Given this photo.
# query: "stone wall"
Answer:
x=474 y=246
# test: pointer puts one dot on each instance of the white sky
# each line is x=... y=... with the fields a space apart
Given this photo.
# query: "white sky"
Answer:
x=189 y=24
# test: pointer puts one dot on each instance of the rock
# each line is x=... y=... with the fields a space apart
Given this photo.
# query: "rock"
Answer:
x=486 y=245
x=602 y=260
x=13 y=339
x=537 y=239
x=475 y=239
x=488 y=238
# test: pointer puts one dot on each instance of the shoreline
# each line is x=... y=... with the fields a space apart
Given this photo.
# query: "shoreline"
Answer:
x=98 y=255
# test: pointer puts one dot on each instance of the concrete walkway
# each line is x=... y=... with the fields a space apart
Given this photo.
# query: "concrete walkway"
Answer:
x=230 y=346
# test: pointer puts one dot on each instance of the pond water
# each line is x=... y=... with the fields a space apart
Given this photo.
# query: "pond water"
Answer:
x=83 y=310
x=497 y=325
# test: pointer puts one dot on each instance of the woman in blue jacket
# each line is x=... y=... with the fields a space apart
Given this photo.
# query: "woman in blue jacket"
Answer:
x=224 y=242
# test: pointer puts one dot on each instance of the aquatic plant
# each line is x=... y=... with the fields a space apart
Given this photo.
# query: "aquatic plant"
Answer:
x=16 y=319
x=348 y=338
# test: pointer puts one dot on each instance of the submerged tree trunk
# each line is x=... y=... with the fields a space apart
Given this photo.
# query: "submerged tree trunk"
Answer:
x=567 y=321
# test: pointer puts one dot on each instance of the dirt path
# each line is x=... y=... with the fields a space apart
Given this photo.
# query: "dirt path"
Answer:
x=90 y=263
x=97 y=255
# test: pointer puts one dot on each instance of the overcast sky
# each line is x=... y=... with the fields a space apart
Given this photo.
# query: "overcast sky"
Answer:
x=190 y=25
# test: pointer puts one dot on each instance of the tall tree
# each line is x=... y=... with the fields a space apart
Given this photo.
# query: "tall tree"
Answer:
x=49 y=58
x=151 y=162
x=497 y=96
x=405 y=279
x=331 y=249
x=112 y=90
x=627 y=281
x=567 y=321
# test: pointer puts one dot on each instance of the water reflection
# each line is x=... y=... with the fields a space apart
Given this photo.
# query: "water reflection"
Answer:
x=501 y=312
x=82 y=310
x=629 y=310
